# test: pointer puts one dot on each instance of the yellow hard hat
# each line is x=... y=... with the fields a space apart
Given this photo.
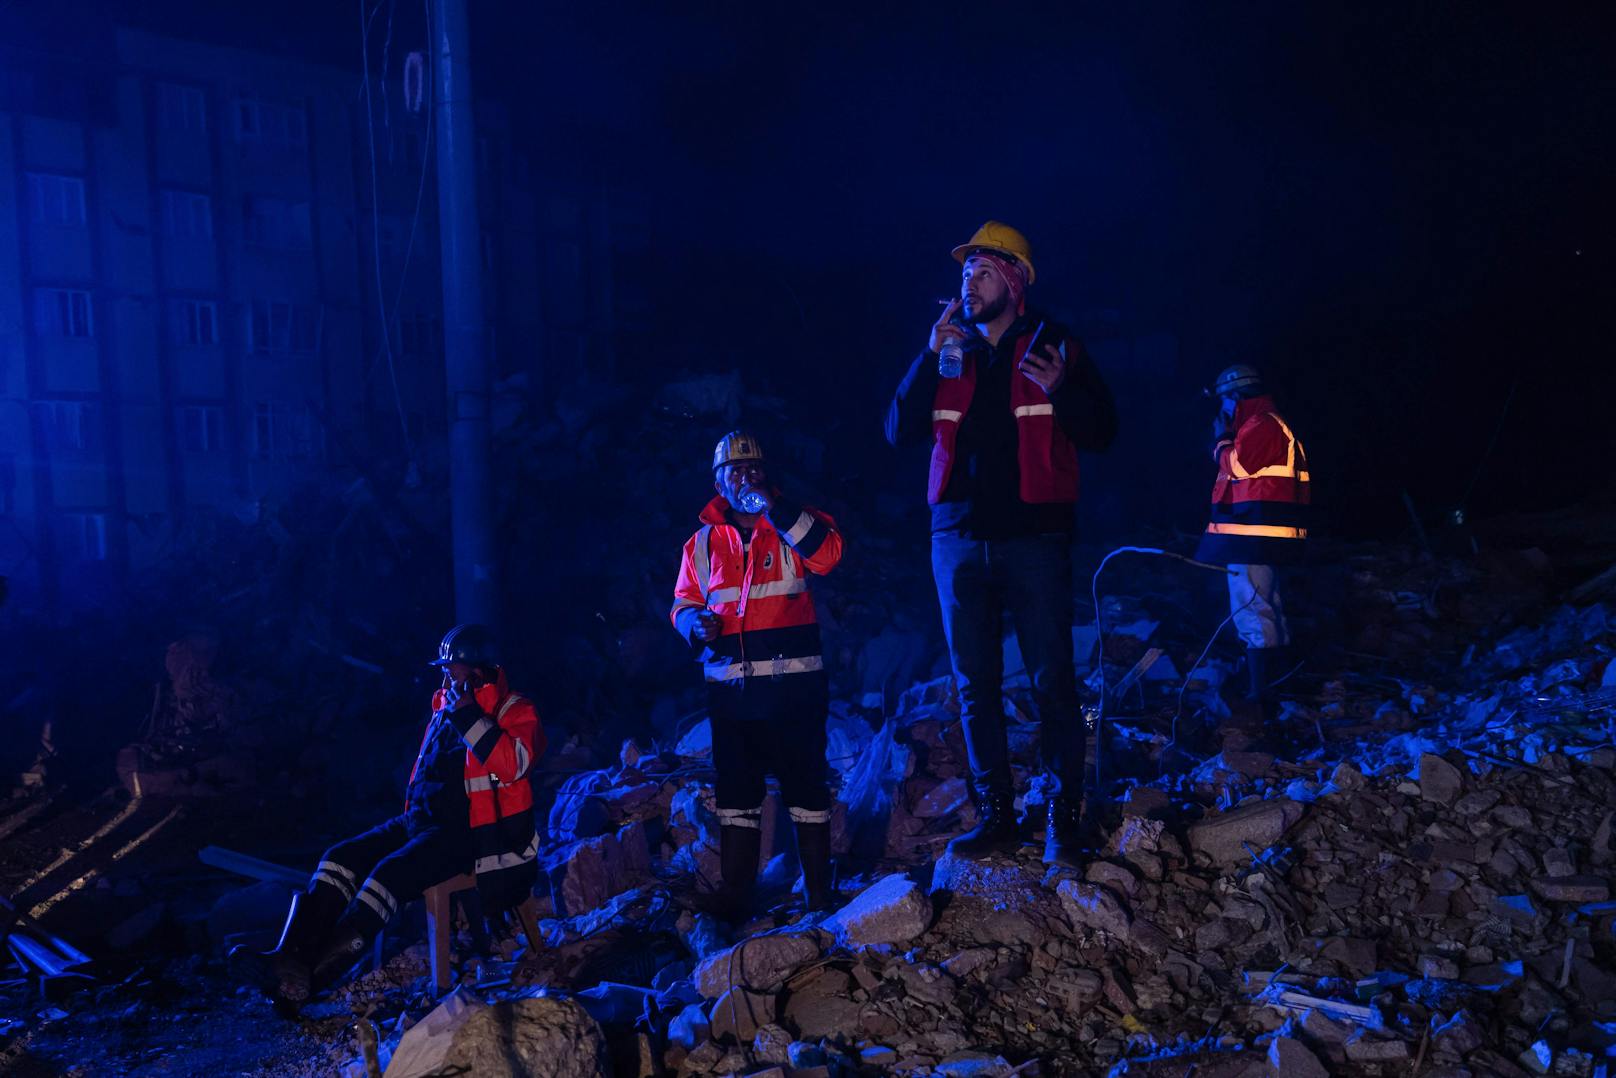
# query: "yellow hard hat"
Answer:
x=736 y=447
x=1001 y=239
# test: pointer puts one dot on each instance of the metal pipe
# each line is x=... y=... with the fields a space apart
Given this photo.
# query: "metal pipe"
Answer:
x=465 y=356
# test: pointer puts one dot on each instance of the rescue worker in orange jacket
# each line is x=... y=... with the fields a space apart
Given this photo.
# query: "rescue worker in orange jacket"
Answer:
x=468 y=808
x=742 y=602
x=1259 y=520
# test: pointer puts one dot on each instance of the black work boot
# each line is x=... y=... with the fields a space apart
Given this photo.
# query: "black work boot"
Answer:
x=284 y=972
x=348 y=941
x=1066 y=841
x=996 y=832
x=738 y=849
x=813 y=850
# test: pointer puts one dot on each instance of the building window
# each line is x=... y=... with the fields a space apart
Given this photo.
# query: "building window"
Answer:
x=55 y=200
x=182 y=108
x=194 y=322
x=279 y=326
x=187 y=214
x=63 y=312
x=278 y=224
x=279 y=126
x=419 y=335
x=69 y=426
x=202 y=428
x=281 y=431
x=87 y=536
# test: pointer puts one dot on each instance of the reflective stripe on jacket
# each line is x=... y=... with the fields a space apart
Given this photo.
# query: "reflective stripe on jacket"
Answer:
x=1261 y=497
x=1047 y=459
x=767 y=626
x=501 y=746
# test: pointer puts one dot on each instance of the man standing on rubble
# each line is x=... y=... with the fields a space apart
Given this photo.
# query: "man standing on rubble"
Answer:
x=468 y=808
x=742 y=602
x=1005 y=426
x=1259 y=522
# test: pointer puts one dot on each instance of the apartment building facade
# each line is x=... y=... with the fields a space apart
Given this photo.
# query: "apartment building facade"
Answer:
x=196 y=245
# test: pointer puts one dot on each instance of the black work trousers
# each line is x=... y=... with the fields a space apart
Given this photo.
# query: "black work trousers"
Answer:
x=790 y=744
x=393 y=863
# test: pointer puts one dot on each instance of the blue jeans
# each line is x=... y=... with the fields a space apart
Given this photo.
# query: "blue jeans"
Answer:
x=977 y=582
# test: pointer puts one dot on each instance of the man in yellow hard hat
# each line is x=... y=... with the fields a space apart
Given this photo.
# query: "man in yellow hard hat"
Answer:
x=1005 y=423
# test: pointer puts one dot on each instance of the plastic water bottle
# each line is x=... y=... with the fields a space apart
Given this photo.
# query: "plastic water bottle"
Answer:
x=752 y=500
x=951 y=360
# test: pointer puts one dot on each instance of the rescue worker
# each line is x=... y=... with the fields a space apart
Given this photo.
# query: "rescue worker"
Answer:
x=1003 y=486
x=742 y=602
x=1259 y=521
x=468 y=808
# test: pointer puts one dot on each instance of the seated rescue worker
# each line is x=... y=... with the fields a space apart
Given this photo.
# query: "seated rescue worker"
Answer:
x=468 y=808
x=742 y=602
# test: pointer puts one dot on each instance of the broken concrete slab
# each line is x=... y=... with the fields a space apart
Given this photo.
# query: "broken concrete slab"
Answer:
x=761 y=963
x=1290 y=1058
x=893 y=910
x=1088 y=905
x=1236 y=836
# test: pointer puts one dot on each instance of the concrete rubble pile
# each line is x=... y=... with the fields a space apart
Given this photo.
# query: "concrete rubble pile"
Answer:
x=1429 y=890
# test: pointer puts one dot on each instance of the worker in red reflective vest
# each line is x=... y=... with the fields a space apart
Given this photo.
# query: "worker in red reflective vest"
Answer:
x=742 y=602
x=1005 y=427
x=468 y=808
x=1259 y=520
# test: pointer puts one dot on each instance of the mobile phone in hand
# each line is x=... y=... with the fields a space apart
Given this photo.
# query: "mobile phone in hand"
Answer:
x=1032 y=345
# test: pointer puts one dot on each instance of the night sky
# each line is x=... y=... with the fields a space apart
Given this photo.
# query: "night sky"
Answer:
x=1401 y=210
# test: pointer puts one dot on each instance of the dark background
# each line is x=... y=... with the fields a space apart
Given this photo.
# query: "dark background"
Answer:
x=1401 y=212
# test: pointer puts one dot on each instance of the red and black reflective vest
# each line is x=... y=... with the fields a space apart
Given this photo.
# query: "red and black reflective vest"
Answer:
x=1047 y=459
x=501 y=746
x=1260 y=500
x=768 y=643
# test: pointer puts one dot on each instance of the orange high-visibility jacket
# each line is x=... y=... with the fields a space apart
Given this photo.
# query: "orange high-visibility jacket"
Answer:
x=769 y=637
x=502 y=742
x=1261 y=498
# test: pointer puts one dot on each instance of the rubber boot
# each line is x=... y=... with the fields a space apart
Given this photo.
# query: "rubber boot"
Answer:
x=284 y=972
x=813 y=850
x=738 y=849
x=995 y=833
x=352 y=936
x=1263 y=667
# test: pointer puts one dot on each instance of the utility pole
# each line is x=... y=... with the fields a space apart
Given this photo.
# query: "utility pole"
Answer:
x=465 y=357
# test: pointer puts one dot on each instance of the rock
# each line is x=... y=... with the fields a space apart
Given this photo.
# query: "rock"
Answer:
x=877 y=1055
x=1363 y=1050
x=1459 y=1035
x=1320 y=1028
x=772 y=1045
x=802 y=1055
x=425 y=1046
x=1091 y=906
x=1347 y=778
x=1439 y=780
x=968 y=962
x=814 y=1017
x=892 y=910
x=1474 y=804
x=545 y=1036
x=761 y=963
x=969 y=1064
x=1117 y=878
x=1145 y=801
x=1290 y=1058
x=1578 y=889
x=1075 y=990
x=584 y=875
x=738 y=1015
x=702 y=1059
x=1224 y=838
x=1435 y=966
x=1557 y=862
